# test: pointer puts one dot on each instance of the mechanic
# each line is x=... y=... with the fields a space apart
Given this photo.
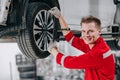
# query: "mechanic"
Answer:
x=97 y=58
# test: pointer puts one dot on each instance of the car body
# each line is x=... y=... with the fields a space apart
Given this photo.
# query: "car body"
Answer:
x=29 y=22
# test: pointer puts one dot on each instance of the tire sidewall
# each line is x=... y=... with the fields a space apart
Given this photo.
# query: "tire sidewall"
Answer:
x=30 y=20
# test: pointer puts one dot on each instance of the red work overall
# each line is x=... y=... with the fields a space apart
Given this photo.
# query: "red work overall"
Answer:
x=98 y=62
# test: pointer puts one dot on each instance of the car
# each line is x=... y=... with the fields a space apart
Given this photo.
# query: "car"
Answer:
x=33 y=27
x=30 y=23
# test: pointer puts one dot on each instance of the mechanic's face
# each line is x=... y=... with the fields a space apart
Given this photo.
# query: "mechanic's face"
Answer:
x=90 y=32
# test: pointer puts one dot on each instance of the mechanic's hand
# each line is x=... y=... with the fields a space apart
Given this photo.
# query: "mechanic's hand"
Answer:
x=52 y=48
x=51 y=45
x=55 y=11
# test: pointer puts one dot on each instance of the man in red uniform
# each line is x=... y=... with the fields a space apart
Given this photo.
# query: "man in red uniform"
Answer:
x=96 y=59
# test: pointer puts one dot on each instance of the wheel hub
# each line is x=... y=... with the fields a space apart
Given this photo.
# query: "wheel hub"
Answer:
x=43 y=29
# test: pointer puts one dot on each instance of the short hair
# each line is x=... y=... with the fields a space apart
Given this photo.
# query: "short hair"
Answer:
x=89 y=19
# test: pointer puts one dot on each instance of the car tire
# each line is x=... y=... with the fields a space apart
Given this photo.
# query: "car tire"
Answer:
x=40 y=31
x=116 y=1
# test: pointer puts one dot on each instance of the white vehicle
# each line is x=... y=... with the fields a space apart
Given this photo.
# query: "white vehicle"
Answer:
x=29 y=22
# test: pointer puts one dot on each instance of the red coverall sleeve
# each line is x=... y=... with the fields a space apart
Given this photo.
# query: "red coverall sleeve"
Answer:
x=76 y=42
x=88 y=60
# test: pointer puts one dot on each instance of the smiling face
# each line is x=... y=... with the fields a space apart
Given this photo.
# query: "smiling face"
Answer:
x=90 y=33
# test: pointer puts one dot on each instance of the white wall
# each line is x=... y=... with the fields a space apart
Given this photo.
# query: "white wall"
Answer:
x=8 y=70
x=73 y=11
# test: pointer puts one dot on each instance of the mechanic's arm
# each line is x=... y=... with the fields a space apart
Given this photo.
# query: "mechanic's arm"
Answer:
x=56 y=12
x=74 y=41
x=64 y=25
x=78 y=62
x=90 y=59
x=69 y=36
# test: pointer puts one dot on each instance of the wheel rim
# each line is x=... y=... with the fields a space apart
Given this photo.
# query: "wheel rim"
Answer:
x=43 y=29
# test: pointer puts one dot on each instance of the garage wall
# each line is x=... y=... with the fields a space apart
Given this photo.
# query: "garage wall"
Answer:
x=8 y=70
x=73 y=11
